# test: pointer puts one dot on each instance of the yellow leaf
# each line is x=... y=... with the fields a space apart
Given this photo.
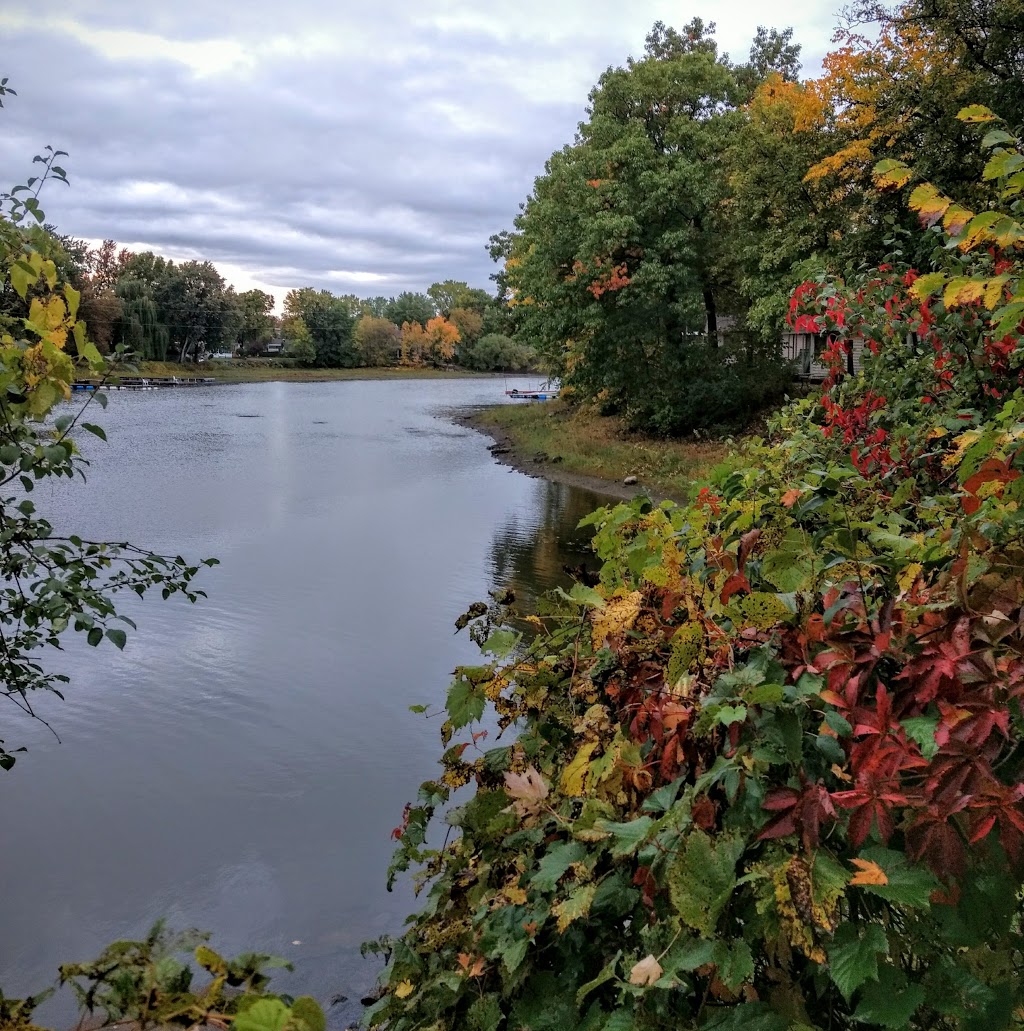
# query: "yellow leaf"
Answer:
x=962 y=290
x=994 y=290
x=956 y=219
x=929 y=203
x=404 y=989
x=976 y=113
x=618 y=616
x=516 y=896
x=908 y=575
x=575 y=774
x=576 y=906
x=868 y=873
x=646 y=972
x=891 y=173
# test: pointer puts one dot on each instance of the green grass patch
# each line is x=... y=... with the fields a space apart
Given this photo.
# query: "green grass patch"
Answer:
x=595 y=445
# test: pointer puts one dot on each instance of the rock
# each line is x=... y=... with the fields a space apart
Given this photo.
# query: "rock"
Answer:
x=630 y=481
x=556 y=459
x=500 y=450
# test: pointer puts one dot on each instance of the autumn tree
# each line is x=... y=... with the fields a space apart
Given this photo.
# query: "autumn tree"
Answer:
x=413 y=344
x=377 y=340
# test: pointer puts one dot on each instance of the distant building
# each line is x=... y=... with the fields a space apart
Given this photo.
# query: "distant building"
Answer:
x=276 y=345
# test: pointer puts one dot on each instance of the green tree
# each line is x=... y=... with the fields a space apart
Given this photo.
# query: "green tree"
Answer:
x=410 y=307
x=256 y=319
x=330 y=322
x=452 y=294
x=619 y=266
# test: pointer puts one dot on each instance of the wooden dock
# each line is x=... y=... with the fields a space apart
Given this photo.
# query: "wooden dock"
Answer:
x=145 y=383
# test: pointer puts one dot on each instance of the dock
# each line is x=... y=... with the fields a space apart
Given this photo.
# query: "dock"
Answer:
x=146 y=383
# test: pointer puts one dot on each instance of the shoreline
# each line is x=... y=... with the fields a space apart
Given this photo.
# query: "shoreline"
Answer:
x=505 y=451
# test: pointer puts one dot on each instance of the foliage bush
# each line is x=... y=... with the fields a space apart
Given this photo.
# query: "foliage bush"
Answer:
x=767 y=771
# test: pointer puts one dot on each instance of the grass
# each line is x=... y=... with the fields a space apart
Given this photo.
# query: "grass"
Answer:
x=594 y=445
x=254 y=370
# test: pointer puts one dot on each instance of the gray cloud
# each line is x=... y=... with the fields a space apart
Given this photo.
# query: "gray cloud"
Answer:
x=372 y=152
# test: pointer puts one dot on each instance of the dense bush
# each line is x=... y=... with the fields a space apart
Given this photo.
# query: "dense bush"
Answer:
x=767 y=772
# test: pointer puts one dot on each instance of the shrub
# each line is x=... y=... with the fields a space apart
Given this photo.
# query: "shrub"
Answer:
x=768 y=770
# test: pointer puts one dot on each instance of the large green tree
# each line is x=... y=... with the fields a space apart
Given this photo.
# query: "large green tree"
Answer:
x=619 y=263
x=330 y=321
x=410 y=307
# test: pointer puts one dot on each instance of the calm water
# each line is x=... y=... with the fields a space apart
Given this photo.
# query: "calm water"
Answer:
x=240 y=766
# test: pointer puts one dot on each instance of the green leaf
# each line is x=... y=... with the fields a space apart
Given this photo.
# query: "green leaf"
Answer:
x=95 y=636
x=908 y=886
x=735 y=963
x=116 y=637
x=751 y=1016
x=889 y=1001
x=95 y=430
x=1004 y=163
x=465 y=703
x=501 y=643
x=838 y=723
x=607 y=974
x=729 y=714
x=306 y=1009
x=484 y=1014
x=628 y=836
x=265 y=1015
x=702 y=879
x=921 y=729
x=996 y=136
x=853 y=959
x=660 y=801
x=555 y=862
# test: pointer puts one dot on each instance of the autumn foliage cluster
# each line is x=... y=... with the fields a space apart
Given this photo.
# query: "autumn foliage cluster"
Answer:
x=765 y=771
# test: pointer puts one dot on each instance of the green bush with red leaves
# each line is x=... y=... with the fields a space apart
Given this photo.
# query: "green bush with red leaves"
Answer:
x=766 y=771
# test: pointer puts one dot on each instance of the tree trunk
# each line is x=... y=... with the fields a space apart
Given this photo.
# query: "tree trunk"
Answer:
x=712 y=312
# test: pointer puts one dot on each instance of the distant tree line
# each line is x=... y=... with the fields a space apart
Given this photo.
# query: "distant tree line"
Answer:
x=163 y=310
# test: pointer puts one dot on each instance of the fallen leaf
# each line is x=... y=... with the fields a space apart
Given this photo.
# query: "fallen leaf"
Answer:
x=868 y=873
x=528 y=789
x=646 y=972
x=404 y=989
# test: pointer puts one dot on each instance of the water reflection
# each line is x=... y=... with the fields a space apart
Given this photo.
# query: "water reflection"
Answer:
x=533 y=547
x=240 y=767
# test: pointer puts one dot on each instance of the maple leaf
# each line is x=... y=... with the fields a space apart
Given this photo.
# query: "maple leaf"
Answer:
x=528 y=789
x=791 y=497
x=868 y=873
x=472 y=966
x=646 y=972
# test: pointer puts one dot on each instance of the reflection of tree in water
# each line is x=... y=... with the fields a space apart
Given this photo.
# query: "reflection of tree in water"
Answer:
x=530 y=550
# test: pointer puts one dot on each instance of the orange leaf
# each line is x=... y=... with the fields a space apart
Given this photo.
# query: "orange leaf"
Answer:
x=868 y=873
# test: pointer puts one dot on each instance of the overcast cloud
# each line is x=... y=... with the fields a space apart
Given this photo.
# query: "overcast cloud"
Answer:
x=367 y=148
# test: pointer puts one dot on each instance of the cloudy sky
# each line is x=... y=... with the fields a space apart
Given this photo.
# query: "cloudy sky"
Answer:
x=365 y=148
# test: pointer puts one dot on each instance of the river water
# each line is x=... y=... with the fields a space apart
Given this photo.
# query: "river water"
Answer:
x=240 y=766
